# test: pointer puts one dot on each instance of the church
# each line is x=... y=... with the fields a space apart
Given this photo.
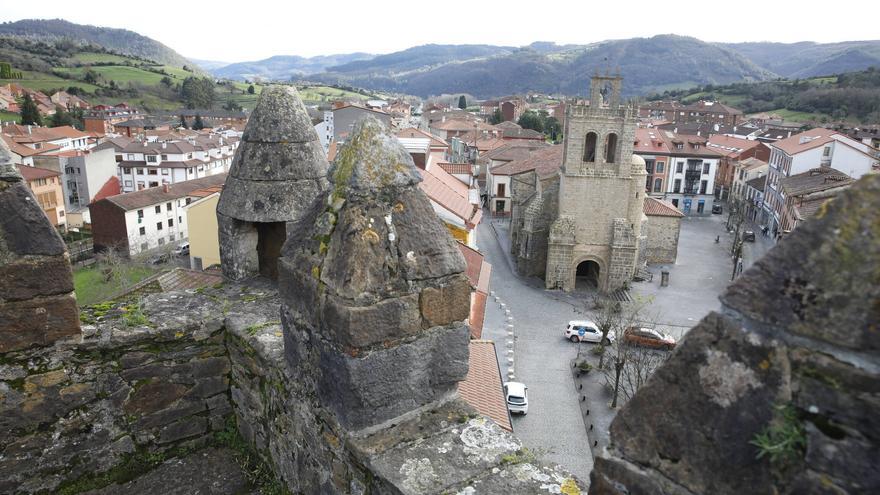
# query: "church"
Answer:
x=579 y=224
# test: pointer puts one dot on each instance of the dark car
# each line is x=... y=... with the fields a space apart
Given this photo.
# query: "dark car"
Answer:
x=716 y=209
x=749 y=236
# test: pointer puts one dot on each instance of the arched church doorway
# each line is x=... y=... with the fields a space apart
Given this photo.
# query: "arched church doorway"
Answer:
x=587 y=275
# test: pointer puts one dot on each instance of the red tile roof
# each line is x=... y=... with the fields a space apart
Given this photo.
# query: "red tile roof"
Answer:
x=806 y=140
x=456 y=168
x=731 y=146
x=110 y=188
x=412 y=132
x=34 y=173
x=478 y=314
x=658 y=208
x=482 y=388
x=450 y=193
x=543 y=161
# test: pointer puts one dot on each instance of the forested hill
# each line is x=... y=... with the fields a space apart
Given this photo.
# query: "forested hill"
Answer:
x=117 y=40
x=852 y=96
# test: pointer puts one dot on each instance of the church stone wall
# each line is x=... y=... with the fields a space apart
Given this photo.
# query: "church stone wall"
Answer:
x=661 y=238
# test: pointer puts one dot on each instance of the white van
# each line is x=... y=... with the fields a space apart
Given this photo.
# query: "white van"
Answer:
x=517 y=395
x=585 y=331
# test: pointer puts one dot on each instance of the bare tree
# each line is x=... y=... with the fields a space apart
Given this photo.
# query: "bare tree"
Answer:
x=606 y=315
x=638 y=365
x=628 y=315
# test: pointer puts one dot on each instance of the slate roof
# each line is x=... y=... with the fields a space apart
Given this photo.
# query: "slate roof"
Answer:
x=544 y=161
x=654 y=207
x=814 y=180
x=523 y=134
x=482 y=388
x=757 y=183
x=153 y=195
x=514 y=150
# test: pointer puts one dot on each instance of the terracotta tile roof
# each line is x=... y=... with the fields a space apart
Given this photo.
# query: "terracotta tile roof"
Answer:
x=461 y=125
x=806 y=140
x=658 y=208
x=650 y=141
x=34 y=173
x=23 y=151
x=522 y=134
x=110 y=188
x=473 y=261
x=153 y=195
x=478 y=314
x=513 y=150
x=456 y=168
x=731 y=146
x=332 y=149
x=544 y=161
x=412 y=132
x=482 y=388
x=450 y=193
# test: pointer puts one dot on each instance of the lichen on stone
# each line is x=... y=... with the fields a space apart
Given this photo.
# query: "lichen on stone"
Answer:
x=725 y=380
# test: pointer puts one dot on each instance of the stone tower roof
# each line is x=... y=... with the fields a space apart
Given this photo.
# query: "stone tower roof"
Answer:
x=373 y=284
x=280 y=167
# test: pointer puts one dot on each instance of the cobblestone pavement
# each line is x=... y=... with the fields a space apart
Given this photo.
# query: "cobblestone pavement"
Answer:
x=553 y=426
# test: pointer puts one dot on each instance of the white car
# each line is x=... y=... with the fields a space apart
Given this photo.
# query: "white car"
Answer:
x=517 y=395
x=585 y=331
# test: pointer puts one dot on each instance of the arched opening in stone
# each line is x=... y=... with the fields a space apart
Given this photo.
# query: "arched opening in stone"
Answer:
x=587 y=275
x=590 y=147
x=611 y=148
x=270 y=238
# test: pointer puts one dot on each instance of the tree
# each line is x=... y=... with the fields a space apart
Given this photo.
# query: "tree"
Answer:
x=60 y=118
x=462 y=102
x=552 y=128
x=531 y=120
x=232 y=106
x=251 y=90
x=166 y=81
x=197 y=123
x=496 y=117
x=183 y=122
x=30 y=114
x=198 y=92
x=5 y=70
x=90 y=76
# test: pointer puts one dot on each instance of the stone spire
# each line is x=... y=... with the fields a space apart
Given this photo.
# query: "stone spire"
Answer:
x=278 y=171
x=37 y=304
x=374 y=295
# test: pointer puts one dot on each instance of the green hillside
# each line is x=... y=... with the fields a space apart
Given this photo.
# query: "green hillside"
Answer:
x=849 y=97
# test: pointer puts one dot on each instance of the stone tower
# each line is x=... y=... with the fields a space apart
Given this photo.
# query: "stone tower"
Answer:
x=278 y=171
x=595 y=238
x=373 y=288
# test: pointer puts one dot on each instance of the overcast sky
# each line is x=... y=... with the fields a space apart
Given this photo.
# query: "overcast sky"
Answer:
x=241 y=30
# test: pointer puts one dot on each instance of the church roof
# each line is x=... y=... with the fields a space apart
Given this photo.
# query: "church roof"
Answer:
x=658 y=208
x=544 y=161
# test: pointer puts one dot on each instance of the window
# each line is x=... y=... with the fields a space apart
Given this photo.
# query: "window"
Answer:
x=129 y=156
x=179 y=220
x=703 y=185
x=140 y=185
x=611 y=148
x=153 y=171
x=171 y=222
x=144 y=246
x=126 y=170
x=189 y=171
x=701 y=205
x=164 y=157
x=658 y=185
x=677 y=186
x=128 y=183
x=502 y=188
x=168 y=206
x=679 y=146
x=140 y=171
x=590 y=147
x=188 y=200
x=158 y=225
x=142 y=231
x=659 y=168
x=158 y=209
x=171 y=238
x=154 y=184
x=499 y=206
x=140 y=213
x=679 y=167
x=705 y=168
x=164 y=171
x=152 y=158
x=675 y=202
x=649 y=166
x=161 y=241
x=826 y=151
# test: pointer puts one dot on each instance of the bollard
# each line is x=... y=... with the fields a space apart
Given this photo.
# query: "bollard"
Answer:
x=664 y=278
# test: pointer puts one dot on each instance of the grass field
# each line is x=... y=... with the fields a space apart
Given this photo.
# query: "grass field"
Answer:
x=45 y=82
x=799 y=116
x=94 y=58
x=317 y=94
x=91 y=286
x=9 y=116
x=120 y=73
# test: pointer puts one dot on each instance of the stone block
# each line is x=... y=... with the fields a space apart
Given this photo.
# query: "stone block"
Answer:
x=446 y=304
x=177 y=411
x=268 y=201
x=425 y=248
x=24 y=228
x=38 y=321
x=34 y=276
x=367 y=390
x=362 y=326
x=185 y=428
x=154 y=396
x=279 y=161
x=279 y=117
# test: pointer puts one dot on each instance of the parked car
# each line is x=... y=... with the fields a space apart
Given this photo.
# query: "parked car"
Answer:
x=648 y=337
x=749 y=236
x=585 y=331
x=182 y=250
x=517 y=395
x=717 y=209
x=160 y=259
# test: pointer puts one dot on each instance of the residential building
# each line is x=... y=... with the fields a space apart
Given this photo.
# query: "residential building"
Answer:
x=497 y=186
x=757 y=209
x=805 y=193
x=138 y=127
x=437 y=148
x=745 y=171
x=732 y=151
x=68 y=101
x=101 y=118
x=455 y=203
x=430 y=117
x=137 y=222
x=448 y=129
x=511 y=107
x=46 y=186
x=144 y=164
x=201 y=221
x=808 y=150
x=711 y=112
x=345 y=116
x=84 y=174
x=653 y=148
x=46 y=139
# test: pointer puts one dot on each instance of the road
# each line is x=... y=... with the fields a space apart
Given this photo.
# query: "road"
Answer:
x=553 y=427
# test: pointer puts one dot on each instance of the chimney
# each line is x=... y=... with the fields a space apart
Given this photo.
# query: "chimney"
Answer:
x=165 y=188
x=29 y=129
x=164 y=145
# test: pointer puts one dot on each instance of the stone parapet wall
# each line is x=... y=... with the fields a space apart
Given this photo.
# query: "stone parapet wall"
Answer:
x=661 y=239
x=146 y=380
